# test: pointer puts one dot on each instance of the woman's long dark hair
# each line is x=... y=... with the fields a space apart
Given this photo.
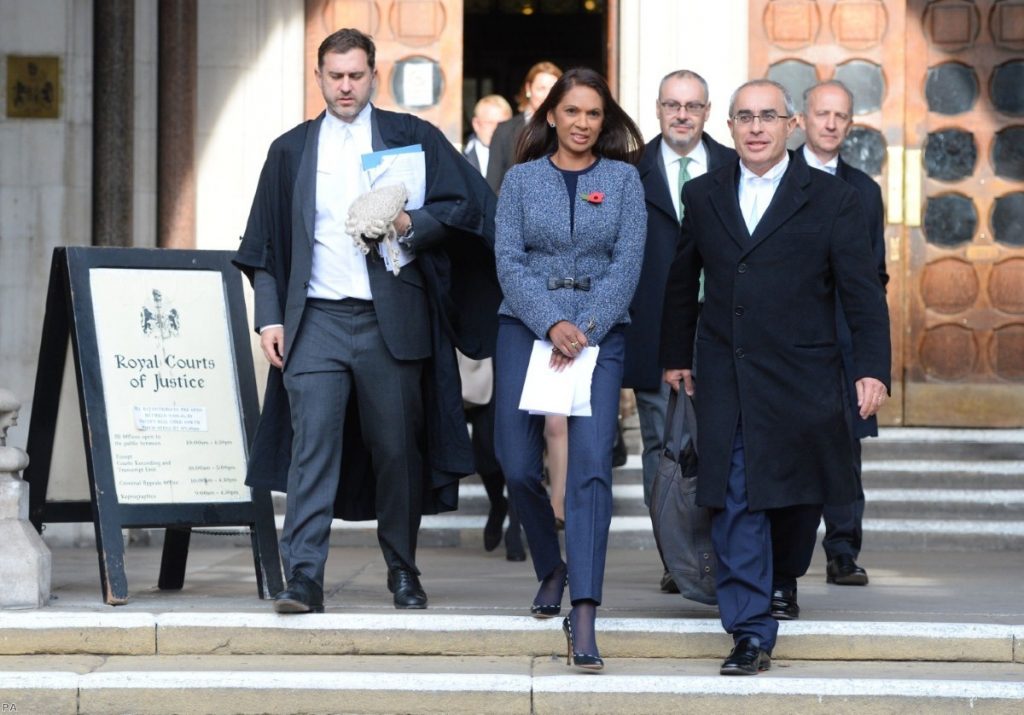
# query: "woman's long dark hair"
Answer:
x=620 y=138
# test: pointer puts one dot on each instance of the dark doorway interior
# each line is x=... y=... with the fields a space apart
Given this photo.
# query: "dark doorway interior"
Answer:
x=504 y=38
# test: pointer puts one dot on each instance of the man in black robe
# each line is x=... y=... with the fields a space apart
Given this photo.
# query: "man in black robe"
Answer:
x=363 y=414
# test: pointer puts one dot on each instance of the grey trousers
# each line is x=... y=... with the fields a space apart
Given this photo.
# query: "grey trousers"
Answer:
x=651 y=406
x=339 y=349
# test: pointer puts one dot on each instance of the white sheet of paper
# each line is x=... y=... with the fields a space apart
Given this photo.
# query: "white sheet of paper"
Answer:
x=399 y=166
x=418 y=84
x=405 y=256
x=546 y=392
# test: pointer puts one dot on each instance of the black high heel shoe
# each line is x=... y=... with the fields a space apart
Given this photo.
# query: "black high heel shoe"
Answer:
x=538 y=610
x=580 y=660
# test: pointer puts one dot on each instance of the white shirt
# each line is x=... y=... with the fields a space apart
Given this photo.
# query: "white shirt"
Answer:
x=756 y=192
x=815 y=163
x=483 y=154
x=698 y=166
x=339 y=268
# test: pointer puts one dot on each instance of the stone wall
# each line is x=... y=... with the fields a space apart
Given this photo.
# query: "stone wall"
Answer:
x=250 y=90
x=659 y=36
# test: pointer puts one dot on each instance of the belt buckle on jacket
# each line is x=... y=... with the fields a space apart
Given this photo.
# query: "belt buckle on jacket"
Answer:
x=570 y=283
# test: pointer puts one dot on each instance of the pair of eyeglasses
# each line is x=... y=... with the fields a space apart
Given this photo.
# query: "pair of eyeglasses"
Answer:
x=673 y=107
x=768 y=116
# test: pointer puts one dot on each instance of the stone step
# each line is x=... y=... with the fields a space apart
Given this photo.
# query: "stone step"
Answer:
x=943 y=474
x=951 y=444
x=959 y=504
x=930 y=473
x=983 y=504
x=626 y=532
x=452 y=684
x=935 y=473
x=900 y=494
x=197 y=633
x=985 y=482
x=634 y=532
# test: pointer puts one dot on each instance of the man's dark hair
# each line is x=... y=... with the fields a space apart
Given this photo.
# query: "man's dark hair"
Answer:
x=344 y=40
x=620 y=138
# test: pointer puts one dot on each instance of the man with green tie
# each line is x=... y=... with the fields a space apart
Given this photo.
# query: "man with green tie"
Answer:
x=682 y=151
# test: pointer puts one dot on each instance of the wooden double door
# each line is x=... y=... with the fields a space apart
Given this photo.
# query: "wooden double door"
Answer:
x=939 y=122
x=419 y=54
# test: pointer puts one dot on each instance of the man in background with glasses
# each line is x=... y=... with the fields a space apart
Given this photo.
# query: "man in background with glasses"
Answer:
x=775 y=241
x=682 y=151
x=827 y=119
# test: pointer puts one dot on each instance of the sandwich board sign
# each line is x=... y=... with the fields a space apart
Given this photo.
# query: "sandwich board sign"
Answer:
x=168 y=404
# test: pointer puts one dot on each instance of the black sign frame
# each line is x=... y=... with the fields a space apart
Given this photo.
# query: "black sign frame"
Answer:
x=69 y=315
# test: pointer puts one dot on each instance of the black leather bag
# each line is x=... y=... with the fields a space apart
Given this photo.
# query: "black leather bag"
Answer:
x=681 y=528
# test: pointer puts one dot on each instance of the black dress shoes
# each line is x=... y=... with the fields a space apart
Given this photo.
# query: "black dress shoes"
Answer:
x=407 y=589
x=784 y=605
x=844 y=571
x=303 y=595
x=747 y=658
x=668 y=584
x=495 y=520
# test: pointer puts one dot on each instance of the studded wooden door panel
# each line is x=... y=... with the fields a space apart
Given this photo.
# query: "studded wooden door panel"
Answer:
x=419 y=54
x=965 y=140
x=861 y=42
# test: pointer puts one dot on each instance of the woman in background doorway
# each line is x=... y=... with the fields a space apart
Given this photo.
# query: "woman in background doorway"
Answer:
x=538 y=82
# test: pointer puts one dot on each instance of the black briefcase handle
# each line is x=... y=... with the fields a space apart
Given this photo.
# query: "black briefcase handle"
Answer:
x=676 y=416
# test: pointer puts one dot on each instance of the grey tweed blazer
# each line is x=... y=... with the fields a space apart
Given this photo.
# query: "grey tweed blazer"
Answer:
x=534 y=243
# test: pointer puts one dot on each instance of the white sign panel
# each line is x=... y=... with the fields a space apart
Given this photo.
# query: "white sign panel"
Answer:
x=170 y=387
x=418 y=84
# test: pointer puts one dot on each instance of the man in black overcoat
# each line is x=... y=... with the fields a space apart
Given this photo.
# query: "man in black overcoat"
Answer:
x=827 y=118
x=682 y=151
x=363 y=411
x=775 y=241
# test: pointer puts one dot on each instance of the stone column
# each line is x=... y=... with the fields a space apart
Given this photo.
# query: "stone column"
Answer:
x=176 y=122
x=24 y=559
x=113 y=113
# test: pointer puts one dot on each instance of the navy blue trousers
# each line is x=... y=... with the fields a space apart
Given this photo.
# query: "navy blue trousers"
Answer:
x=750 y=565
x=519 y=442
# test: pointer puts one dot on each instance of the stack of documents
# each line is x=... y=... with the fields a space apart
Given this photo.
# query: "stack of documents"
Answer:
x=399 y=165
x=546 y=392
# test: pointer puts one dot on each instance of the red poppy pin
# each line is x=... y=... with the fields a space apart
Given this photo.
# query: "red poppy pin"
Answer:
x=594 y=197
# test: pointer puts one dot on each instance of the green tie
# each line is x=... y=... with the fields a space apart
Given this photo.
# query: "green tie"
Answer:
x=684 y=176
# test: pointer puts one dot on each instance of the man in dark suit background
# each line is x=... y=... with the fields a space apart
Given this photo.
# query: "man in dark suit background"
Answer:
x=775 y=241
x=682 y=151
x=363 y=379
x=488 y=113
x=827 y=118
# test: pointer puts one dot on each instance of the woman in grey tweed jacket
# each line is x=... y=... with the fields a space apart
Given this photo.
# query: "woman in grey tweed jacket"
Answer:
x=570 y=234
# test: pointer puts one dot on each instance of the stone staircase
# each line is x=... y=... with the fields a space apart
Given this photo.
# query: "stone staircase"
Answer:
x=927 y=489
x=119 y=662
x=941 y=628
x=931 y=489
